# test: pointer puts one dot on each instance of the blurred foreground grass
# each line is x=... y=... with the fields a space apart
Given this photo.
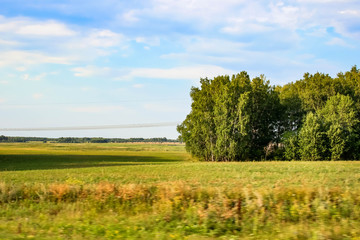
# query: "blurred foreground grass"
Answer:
x=156 y=191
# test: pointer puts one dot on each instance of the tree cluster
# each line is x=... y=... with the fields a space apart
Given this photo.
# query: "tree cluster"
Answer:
x=82 y=139
x=236 y=118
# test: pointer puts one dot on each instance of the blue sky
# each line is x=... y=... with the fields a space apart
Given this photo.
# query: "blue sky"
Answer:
x=81 y=63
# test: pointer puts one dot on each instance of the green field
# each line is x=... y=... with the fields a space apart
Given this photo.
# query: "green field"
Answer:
x=157 y=191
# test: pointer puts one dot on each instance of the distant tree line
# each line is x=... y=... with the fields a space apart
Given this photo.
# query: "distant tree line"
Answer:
x=83 y=140
x=22 y=139
x=238 y=119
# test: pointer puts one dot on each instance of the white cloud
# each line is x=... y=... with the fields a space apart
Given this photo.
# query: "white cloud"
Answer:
x=180 y=73
x=350 y=12
x=8 y=43
x=26 y=77
x=161 y=108
x=244 y=17
x=223 y=52
x=129 y=17
x=96 y=109
x=4 y=82
x=38 y=77
x=94 y=44
x=189 y=10
x=289 y=16
x=138 y=85
x=21 y=69
x=338 y=42
x=103 y=38
x=37 y=95
x=50 y=41
x=151 y=41
x=33 y=28
x=29 y=57
x=85 y=89
x=103 y=73
x=88 y=71
x=317 y=32
x=91 y=71
x=341 y=15
x=240 y=26
x=49 y=28
x=2 y=100
x=211 y=46
x=208 y=58
x=324 y=1
x=184 y=73
x=232 y=16
x=264 y=17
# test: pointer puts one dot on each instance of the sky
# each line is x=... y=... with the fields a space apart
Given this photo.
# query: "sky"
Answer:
x=115 y=62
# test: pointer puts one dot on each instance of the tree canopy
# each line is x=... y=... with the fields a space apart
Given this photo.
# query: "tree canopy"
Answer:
x=237 y=118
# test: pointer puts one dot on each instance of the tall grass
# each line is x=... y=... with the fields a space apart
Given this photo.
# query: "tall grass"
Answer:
x=210 y=211
x=150 y=191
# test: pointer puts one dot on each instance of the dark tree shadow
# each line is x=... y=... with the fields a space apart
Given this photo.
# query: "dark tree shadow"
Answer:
x=11 y=162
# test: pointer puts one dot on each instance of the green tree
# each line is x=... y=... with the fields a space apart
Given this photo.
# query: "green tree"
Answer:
x=315 y=118
x=292 y=112
x=198 y=129
x=312 y=139
x=264 y=116
x=339 y=117
x=291 y=144
x=315 y=90
x=231 y=119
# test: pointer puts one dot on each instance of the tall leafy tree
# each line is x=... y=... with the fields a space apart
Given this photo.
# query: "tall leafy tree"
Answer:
x=339 y=117
x=292 y=113
x=198 y=130
x=231 y=119
x=264 y=115
x=314 y=90
x=334 y=101
x=291 y=142
x=312 y=139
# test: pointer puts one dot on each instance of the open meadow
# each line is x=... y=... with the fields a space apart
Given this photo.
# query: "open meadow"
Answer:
x=157 y=191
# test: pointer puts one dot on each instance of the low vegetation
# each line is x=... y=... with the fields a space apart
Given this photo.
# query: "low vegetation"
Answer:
x=156 y=191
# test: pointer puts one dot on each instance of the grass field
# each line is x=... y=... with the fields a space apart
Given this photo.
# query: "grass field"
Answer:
x=157 y=191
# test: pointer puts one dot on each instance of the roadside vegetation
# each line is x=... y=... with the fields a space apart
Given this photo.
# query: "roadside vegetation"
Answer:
x=157 y=191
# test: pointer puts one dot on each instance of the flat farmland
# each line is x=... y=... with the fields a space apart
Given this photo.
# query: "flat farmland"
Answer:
x=157 y=191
